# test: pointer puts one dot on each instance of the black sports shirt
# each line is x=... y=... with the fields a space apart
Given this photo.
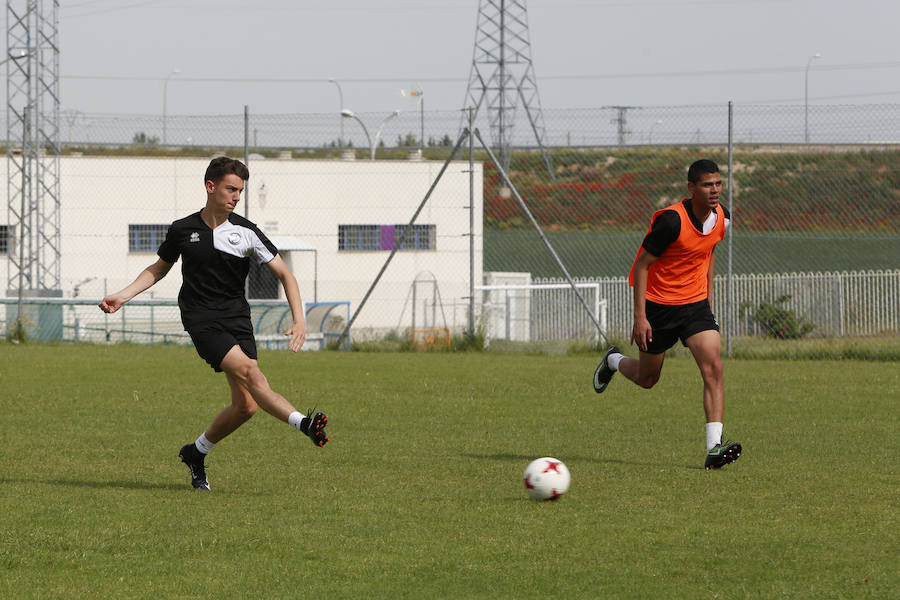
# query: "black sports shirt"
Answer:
x=215 y=265
x=667 y=227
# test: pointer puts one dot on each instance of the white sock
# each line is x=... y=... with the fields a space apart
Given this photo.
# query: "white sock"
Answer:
x=713 y=435
x=613 y=360
x=295 y=418
x=203 y=444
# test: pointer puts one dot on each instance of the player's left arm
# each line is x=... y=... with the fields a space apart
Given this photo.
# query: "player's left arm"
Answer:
x=297 y=332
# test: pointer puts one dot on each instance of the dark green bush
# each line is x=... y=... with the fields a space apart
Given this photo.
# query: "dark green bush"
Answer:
x=778 y=322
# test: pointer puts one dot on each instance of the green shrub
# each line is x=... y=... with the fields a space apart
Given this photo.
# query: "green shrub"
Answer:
x=468 y=342
x=777 y=322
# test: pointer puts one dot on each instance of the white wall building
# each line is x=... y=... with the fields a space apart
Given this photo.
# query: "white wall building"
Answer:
x=300 y=204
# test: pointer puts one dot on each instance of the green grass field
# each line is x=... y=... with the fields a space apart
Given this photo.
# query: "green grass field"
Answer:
x=592 y=254
x=419 y=493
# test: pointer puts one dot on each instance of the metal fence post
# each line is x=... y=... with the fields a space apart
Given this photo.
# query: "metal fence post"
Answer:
x=729 y=292
x=247 y=158
x=470 y=321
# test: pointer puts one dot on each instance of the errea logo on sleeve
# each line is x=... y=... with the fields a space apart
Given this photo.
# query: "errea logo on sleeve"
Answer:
x=195 y=237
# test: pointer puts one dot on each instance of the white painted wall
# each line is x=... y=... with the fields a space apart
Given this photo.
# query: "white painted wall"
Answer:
x=306 y=199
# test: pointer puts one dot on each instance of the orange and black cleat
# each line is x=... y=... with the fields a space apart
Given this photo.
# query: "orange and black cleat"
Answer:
x=314 y=427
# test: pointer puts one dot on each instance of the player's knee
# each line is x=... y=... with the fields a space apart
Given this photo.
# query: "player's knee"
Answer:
x=247 y=409
x=648 y=381
x=255 y=378
x=712 y=370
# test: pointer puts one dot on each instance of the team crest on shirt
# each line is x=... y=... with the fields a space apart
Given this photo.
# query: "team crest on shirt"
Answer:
x=195 y=237
x=234 y=238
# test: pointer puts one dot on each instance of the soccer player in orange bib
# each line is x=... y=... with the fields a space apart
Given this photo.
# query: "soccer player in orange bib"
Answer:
x=672 y=277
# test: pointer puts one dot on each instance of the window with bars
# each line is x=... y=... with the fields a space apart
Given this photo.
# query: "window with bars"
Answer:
x=4 y=239
x=359 y=237
x=146 y=238
x=386 y=237
x=421 y=237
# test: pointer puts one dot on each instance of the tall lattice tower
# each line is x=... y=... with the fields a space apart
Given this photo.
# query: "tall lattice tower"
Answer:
x=502 y=75
x=32 y=153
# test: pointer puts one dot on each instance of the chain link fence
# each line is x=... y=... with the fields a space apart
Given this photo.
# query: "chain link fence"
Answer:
x=814 y=194
x=631 y=126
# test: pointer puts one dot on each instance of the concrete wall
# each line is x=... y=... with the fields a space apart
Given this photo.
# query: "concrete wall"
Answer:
x=287 y=198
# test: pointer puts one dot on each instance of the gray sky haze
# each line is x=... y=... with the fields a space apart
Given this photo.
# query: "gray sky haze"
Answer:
x=277 y=55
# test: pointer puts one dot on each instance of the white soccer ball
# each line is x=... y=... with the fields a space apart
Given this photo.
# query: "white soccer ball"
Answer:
x=547 y=479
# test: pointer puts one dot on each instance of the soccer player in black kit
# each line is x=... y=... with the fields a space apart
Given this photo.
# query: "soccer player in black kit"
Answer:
x=216 y=246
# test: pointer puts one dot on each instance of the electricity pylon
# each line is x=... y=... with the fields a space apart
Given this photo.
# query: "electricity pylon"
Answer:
x=32 y=146
x=502 y=75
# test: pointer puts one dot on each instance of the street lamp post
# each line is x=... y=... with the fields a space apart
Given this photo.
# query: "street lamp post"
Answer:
x=421 y=123
x=165 y=101
x=806 y=97
x=380 y=129
x=420 y=94
x=341 y=108
x=14 y=56
x=373 y=144
x=349 y=114
x=654 y=124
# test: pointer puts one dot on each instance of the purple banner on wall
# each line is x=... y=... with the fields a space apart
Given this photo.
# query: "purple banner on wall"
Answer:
x=387 y=237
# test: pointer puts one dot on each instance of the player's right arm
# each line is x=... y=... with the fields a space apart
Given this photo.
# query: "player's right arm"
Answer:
x=147 y=278
x=641 y=332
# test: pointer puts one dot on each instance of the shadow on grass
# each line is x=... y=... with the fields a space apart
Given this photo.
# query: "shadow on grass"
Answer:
x=130 y=485
x=126 y=485
x=133 y=485
x=592 y=459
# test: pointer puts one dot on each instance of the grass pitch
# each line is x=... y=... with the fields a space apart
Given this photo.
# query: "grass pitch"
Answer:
x=419 y=493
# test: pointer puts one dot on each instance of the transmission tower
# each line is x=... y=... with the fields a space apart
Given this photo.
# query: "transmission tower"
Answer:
x=502 y=75
x=621 y=122
x=32 y=150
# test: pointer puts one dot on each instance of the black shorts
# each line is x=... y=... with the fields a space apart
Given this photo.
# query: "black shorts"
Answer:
x=213 y=339
x=673 y=322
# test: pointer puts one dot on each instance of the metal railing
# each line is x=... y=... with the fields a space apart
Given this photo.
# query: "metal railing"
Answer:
x=541 y=312
x=845 y=304
x=156 y=320
x=838 y=304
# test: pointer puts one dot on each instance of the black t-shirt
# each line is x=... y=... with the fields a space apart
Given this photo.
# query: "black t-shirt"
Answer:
x=667 y=227
x=215 y=266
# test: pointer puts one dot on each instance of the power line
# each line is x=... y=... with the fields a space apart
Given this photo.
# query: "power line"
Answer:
x=104 y=11
x=570 y=76
x=361 y=6
x=821 y=98
x=717 y=72
x=182 y=79
x=739 y=72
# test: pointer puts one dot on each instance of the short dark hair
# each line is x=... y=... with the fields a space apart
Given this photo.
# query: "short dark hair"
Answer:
x=701 y=167
x=221 y=166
